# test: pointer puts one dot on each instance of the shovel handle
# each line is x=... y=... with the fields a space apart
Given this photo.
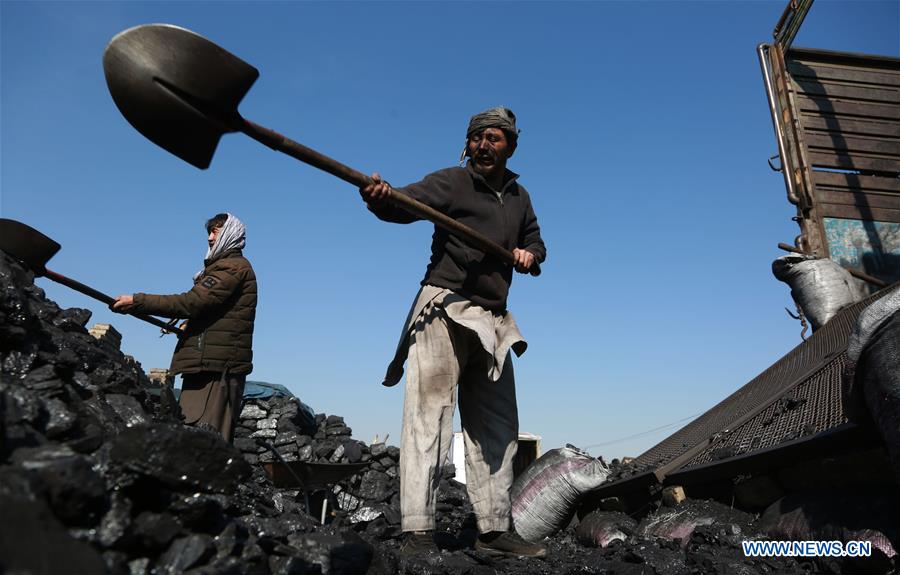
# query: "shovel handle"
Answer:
x=283 y=144
x=98 y=295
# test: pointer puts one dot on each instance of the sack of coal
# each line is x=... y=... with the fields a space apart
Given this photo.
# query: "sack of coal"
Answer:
x=725 y=523
x=546 y=495
x=820 y=287
x=600 y=528
x=871 y=378
x=836 y=514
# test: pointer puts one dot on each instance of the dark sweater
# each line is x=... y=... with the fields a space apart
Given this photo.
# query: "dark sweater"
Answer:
x=465 y=196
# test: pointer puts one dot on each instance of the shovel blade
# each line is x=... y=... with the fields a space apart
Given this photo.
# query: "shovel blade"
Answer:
x=177 y=88
x=26 y=244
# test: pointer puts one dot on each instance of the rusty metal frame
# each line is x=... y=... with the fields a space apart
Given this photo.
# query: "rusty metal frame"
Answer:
x=795 y=166
x=789 y=23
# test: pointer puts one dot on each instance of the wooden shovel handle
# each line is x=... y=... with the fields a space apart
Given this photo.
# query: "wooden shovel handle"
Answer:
x=283 y=144
x=98 y=295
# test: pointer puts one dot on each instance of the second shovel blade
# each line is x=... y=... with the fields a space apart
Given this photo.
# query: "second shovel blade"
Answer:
x=26 y=244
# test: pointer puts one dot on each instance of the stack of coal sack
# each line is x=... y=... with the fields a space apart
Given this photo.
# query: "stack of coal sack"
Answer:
x=98 y=475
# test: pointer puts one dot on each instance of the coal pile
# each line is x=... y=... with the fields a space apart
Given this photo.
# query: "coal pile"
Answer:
x=619 y=470
x=281 y=429
x=98 y=475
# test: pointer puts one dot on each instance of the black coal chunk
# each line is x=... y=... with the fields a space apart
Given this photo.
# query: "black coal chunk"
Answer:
x=181 y=457
x=33 y=541
x=185 y=553
x=75 y=492
x=152 y=532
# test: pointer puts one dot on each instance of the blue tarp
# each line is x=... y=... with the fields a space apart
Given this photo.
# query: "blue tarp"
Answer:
x=265 y=390
x=262 y=390
x=259 y=390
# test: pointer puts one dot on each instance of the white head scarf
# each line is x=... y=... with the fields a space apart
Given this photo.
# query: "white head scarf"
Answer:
x=233 y=236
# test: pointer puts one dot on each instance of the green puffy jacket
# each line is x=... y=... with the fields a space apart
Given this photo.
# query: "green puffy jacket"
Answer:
x=220 y=310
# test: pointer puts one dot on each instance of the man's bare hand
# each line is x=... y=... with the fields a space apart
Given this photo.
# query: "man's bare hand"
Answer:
x=123 y=303
x=375 y=193
x=524 y=260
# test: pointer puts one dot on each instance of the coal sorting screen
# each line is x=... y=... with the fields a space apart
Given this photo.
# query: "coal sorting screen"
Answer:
x=798 y=395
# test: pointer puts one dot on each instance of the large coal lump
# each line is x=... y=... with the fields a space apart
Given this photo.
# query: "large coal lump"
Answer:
x=180 y=456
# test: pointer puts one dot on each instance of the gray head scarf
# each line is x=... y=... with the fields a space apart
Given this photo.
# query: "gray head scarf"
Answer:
x=499 y=117
x=233 y=236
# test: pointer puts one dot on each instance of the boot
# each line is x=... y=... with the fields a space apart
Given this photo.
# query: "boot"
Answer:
x=508 y=543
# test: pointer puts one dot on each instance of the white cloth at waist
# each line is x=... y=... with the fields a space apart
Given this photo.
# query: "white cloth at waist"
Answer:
x=497 y=332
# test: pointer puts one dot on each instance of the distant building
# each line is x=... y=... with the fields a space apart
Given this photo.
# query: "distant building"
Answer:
x=107 y=333
x=161 y=377
x=529 y=450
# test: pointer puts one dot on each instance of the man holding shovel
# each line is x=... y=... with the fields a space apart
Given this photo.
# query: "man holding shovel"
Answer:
x=458 y=336
x=215 y=352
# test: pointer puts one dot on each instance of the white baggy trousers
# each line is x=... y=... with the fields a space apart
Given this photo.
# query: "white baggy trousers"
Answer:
x=446 y=361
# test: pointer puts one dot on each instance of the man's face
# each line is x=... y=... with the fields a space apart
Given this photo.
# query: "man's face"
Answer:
x=213 y=235
x=489 y=150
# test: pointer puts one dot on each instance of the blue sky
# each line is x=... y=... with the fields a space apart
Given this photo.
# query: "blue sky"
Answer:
x=645 y=134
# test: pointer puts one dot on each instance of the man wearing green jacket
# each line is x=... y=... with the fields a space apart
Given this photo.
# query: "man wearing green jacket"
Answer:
x=214 y=353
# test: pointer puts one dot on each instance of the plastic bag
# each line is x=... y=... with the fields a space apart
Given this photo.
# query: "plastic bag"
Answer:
x=820 y=287
x=546 y=495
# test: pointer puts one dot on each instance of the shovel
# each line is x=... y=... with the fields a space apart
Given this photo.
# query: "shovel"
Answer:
x=34 y=249
x=181 y=91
